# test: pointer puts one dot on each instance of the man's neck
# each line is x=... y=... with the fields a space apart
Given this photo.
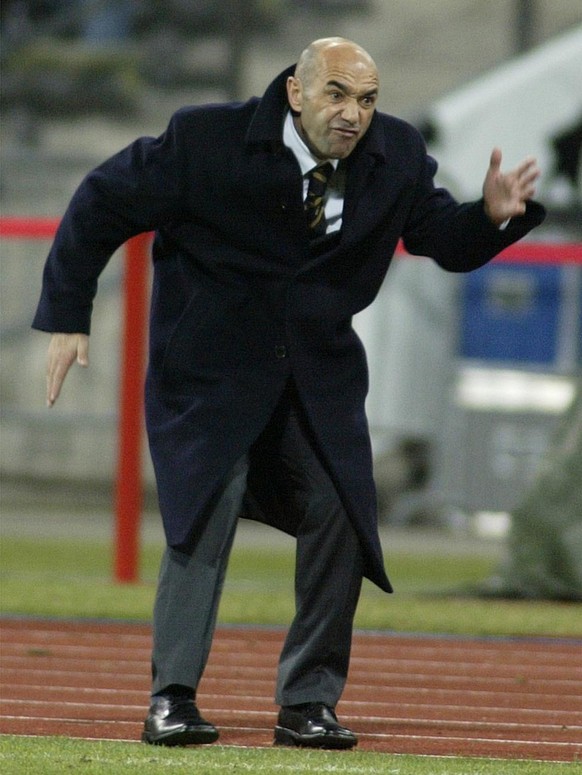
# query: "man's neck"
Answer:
x=293 y=139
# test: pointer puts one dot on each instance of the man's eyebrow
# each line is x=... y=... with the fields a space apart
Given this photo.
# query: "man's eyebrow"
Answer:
x=345 y=89
x=338 y=85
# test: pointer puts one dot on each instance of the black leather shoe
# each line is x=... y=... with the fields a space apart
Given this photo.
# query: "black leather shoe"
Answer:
x=313 y=725
x=176 y=721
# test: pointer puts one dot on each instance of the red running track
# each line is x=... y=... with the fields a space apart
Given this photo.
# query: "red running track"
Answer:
x=505 y=698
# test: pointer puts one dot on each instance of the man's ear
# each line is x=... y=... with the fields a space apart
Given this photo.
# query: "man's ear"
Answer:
x=295 y=93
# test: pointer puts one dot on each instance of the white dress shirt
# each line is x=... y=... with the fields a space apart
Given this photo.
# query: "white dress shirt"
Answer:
x=334 y=196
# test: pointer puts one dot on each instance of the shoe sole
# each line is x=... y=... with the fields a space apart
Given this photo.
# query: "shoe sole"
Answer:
x=192 y=737
x=284 y=736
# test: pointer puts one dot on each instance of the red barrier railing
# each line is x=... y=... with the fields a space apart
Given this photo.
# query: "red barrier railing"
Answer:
x=523 y=252
x=129 y=486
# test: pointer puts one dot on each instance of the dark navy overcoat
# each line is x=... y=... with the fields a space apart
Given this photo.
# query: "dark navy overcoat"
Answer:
x=241 y=301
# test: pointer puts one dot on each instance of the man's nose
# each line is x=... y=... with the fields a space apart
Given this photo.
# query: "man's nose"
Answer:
x=351 y=112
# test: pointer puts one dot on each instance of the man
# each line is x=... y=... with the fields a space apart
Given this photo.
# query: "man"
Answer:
x=256 y=383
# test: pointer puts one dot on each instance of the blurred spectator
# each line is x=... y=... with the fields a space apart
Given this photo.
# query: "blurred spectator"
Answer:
x=61 y=58
x=545 y=544
x=107 y=20
x=89 y=20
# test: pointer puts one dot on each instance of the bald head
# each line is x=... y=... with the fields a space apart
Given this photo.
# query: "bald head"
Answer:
x=333 y=96
x=314 y=55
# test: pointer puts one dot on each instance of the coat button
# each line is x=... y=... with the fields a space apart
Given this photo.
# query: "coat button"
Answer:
x=280 y=351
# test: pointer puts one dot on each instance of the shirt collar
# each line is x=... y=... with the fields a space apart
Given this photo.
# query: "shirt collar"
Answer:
x=292 y=139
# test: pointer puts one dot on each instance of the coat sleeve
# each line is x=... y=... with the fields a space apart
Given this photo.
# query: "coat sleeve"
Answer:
x=459 y=237
x=132 y=192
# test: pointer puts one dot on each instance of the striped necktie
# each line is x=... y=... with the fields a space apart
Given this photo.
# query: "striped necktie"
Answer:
x=314 y=204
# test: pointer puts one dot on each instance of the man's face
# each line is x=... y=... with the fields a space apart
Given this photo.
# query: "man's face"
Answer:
x=336 y=106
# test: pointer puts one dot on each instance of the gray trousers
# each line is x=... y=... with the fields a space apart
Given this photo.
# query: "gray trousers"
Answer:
x=314 y=662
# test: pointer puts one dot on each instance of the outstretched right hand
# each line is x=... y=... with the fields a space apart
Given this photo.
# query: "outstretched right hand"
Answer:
x=63 y=351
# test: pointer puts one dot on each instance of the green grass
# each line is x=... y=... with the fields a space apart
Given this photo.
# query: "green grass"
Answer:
x=73 y=578
x=58 y=756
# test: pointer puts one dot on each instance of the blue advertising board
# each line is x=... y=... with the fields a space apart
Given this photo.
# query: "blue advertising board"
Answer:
x=522 y=314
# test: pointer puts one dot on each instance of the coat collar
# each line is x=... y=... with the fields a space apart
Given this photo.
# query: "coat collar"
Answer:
x=266 y=126
x=369 y=158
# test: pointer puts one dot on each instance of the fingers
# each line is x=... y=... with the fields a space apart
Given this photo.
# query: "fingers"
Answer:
x=56 y=373
x=64 y=350
x=495 y=160
x=522 y=183
x=83 y=350
x=527 y=171
x=506 y=194
x=526 y=174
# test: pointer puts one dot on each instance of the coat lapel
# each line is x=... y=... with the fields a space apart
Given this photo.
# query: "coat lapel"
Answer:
x=366 y=180
x=372 y=178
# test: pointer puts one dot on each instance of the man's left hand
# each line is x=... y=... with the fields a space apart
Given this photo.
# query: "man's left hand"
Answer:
x=506 y=194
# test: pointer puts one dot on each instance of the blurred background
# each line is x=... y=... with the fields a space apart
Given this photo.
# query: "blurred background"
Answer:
x=469 y=376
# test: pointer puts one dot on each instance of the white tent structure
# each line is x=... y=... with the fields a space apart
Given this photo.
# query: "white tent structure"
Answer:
x=410 y=332
x=520 y=106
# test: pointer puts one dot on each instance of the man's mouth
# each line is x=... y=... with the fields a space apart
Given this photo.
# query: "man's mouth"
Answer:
x=349 y=132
